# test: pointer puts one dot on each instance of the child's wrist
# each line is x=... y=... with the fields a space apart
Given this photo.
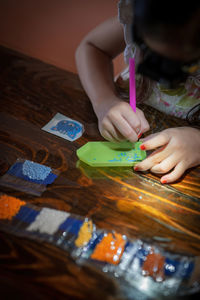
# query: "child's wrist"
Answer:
x=104 y=103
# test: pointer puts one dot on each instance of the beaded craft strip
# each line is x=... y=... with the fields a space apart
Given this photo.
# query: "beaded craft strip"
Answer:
x=134 y=261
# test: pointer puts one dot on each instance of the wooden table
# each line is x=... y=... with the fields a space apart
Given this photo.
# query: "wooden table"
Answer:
x=31 y=93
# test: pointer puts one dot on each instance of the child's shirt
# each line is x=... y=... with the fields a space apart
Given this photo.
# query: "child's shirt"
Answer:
x=177 y=102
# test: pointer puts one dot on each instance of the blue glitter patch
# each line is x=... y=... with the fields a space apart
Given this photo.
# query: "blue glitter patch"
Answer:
x=35 y=171
x=141 y=254
x=182 y=269
x=69 y=128
x=18 y=170
x=71 y=225
x=92 y=243
x=27 y=214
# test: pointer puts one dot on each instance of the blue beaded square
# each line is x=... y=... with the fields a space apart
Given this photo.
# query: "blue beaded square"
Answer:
x=34 y=172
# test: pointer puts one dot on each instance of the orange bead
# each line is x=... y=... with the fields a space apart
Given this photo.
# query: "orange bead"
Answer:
x=9 y=206
x=154 y=266
x=110 y=249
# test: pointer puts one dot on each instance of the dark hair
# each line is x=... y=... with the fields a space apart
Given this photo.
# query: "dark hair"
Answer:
x=166 y=11
x=193 y=116
x=160 y=18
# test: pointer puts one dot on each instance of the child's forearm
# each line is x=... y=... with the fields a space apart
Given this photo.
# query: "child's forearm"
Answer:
x=95 y=70
x=94 y=61
x=94 y=57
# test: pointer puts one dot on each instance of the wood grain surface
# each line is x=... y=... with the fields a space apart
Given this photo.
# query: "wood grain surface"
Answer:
x=135 y=204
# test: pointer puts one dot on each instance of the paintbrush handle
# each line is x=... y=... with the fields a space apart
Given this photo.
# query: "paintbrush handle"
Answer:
x=132 y=87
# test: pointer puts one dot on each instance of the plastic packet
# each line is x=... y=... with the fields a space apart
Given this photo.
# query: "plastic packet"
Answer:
x=9 y=207
x=155 y=272
x=19 y=184
x=25 y=216
x=104 y=250
x=131 y=250
x=72 y=234
x=88 y=249
x=29 y=177
x=138 y=265
x=86 y=235
x=46 y=224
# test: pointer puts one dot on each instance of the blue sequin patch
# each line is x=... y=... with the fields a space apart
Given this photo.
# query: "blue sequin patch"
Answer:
x=180 y=269
x=26 y=214
x=71 y=225
x=69 y=128
x=141 y=255
x=34 y=175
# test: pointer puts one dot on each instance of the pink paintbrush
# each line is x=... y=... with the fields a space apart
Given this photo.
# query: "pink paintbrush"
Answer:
x=132 y=87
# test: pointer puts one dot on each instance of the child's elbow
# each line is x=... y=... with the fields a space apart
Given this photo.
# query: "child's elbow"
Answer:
x=77 y=51
x=80 y=49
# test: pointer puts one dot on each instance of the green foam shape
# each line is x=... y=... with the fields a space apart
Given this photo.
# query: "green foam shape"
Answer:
x=105 y=154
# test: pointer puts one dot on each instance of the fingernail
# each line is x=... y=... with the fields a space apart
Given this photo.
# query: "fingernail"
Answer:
x=164 y=181
x=139 y=135
x=136 y=168
x=142 y=147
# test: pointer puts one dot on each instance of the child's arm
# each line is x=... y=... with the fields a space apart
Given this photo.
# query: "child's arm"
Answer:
x=94 y=56
x=177 y=149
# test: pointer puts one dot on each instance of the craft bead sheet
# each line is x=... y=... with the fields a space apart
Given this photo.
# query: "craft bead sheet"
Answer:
x=29 y=177
x=135 y=263
x=48 y=221
x=64 y=127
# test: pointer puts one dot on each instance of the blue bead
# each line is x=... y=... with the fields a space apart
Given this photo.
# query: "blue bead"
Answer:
x=26 y=214
x=179 y=268
x=71 y=225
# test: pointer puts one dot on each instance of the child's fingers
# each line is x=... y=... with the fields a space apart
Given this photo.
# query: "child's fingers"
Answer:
x=107 y=136
x=165 y=166
x=156 y=141
x=143 y=122
x=126 y=124
x=144 y=128
x=125 y=129
x=107 y=130
x=117 y=135
x=110 y=133
x=136 y=120
x=153 y=159
x=133 y=120
x=175 y=174
x=150 y=136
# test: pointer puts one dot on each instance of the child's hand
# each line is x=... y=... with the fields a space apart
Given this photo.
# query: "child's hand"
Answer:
x=177 y=149
x=119 y=122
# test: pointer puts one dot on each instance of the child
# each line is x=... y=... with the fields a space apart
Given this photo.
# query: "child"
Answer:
x=166 y=46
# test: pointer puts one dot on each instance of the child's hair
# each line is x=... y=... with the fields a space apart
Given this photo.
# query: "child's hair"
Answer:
x=193 y=116
x=160 y=19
